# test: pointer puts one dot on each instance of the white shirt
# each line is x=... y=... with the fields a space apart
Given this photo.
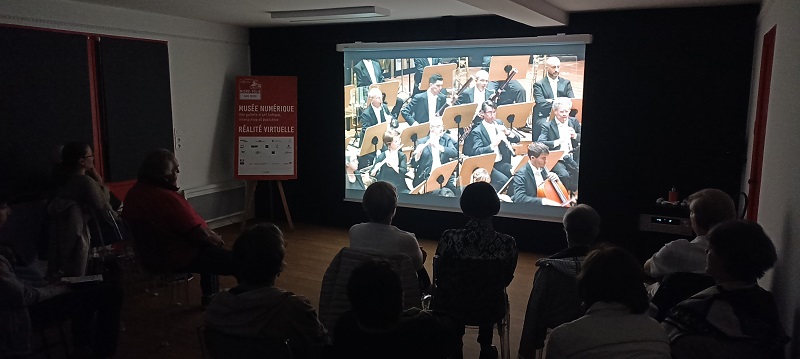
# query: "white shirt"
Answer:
x=392 y=158
x=537 y=174
x=491 y=129
x=377 y=111
x=431 y=105
x=680 y=256
x=553 y=85
x=435 y=154
x=370 y=70
x=564 y=134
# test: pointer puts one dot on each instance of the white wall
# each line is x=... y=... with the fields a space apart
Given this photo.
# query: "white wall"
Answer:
x=204 y=59
x=779 y=205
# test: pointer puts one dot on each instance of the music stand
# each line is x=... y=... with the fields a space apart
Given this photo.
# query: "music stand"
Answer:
x=521 y=111
x=431 y=184
x=497 y=71
x=446 y=70
x=407 y=136
x=389 y=90
x=521 y=148
x=485 y=161
x=451 y=113
x=373 y=138
x=554 y=154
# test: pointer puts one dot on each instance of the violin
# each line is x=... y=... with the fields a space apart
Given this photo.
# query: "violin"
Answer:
x=554 y=191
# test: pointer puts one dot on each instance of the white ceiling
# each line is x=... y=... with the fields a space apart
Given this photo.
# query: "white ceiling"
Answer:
x=253 y=13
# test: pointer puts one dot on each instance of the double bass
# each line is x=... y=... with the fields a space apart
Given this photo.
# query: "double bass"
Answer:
x=554 y=191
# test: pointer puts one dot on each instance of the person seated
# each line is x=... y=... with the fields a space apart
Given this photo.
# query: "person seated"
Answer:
x=492 y=137
x=563 y=133
x=479 y=240
x=184 y=243
x=526 y=181
x=256 y=307
x=554 y=298
x=736 y=318
x=81 y=197
x=378 y=327
x=379 y=235
x=424 y=105
x=391 y=165
x=353 y=179
x=545 y=91
x=93 y=308
x=375 y=113
x=707 y=208
x=615 y=324
x=432 y=151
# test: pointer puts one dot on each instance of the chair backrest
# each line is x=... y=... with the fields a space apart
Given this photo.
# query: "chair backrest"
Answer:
x=554 y=300
x=471 y=289
x=333 y=300
x=677 y=287
x=219 y=345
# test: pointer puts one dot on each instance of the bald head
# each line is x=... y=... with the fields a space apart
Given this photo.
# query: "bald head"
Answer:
x=553 y=67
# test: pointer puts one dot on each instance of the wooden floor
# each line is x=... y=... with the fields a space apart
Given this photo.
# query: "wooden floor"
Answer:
x=149 y=321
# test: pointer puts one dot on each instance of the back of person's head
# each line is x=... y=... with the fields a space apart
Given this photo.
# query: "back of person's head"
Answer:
x=380 y=201
x=582 y=224
x=479 y=200
x=156 y=165
x=375 y=292
x=611 y=274
x=480 y=174
x=745 y=250
x=258 y=254
x=710 y=207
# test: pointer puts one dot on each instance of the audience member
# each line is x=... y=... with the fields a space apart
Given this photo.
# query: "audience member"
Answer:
x=378 y=327
x=77 y=179
x=554 y=298
x=256 y=307
x=736 y=318
x=379 y=235
x=184 y=243
x=707 y=208
x=615 y=324
x=93 y=309
x=478 y=240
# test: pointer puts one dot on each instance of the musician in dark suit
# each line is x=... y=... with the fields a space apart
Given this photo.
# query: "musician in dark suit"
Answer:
x=532 y=175
x=547 y=89
x=425 y=104
x=391 y=165
x=377 y=112
x=492 y=137
x=362 y=72
x=432 y=151
x=563 y=133
x=419 y=64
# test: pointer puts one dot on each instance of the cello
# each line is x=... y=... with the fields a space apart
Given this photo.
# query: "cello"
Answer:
x=554 y=191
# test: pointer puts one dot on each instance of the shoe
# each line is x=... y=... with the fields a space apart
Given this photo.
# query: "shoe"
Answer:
x=488 y=352
x=526 y=128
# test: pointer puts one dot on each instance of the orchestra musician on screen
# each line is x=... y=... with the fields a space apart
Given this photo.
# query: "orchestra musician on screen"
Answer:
x=518 y=178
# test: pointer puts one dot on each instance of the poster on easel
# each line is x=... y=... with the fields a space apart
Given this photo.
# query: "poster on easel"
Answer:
x=266 y=127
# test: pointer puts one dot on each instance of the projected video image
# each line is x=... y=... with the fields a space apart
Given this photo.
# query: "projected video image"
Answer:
x=432 y=126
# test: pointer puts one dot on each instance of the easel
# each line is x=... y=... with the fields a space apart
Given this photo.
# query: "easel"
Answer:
x=497 y=66
x=520 y=112
x=485 y=161
x=444 y=171
x=250 y=201
x=389 y=90
x=446 y=70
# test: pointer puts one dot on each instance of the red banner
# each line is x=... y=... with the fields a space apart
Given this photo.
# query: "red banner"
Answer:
x=266 y=127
